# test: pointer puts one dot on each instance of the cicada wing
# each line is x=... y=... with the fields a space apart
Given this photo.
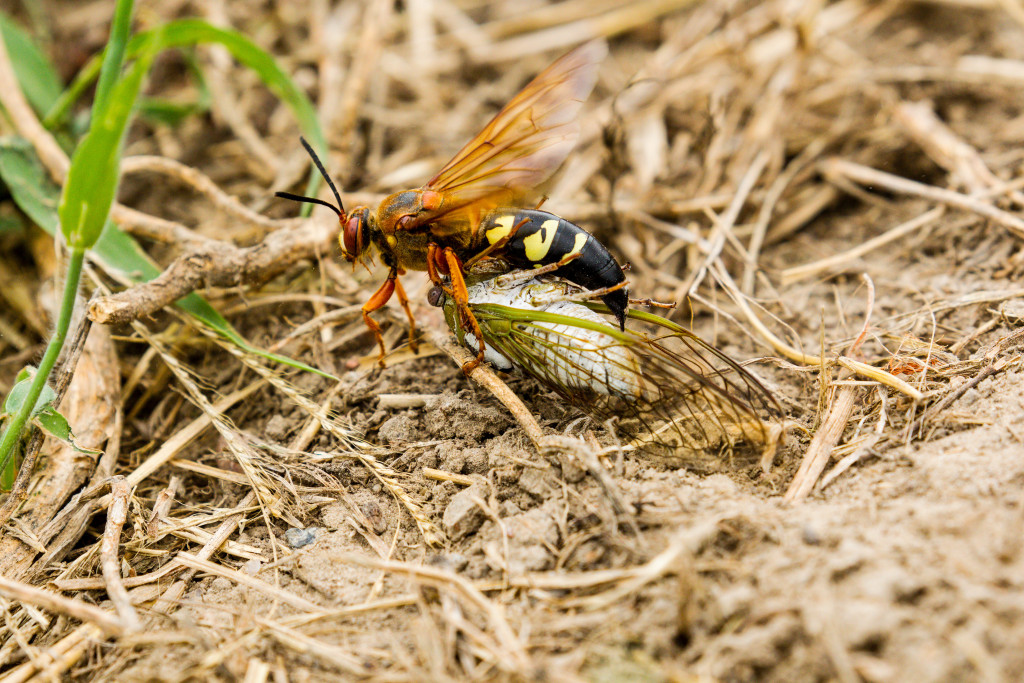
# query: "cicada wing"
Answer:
x=523 y=144
x=703 y=398
x=671 y=389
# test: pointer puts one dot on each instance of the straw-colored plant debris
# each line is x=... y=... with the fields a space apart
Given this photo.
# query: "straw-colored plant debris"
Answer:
x=832 y=193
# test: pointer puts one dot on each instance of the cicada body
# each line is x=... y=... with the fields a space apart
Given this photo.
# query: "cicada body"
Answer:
x=473 y=209
x=664 y=386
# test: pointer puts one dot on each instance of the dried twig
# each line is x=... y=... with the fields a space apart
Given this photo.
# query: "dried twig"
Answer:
x=894 y=183
x=200 y=182
x=216 y=264
x=76 y=609
x=271 y=591
x=820 y=448
x=797 y=273
x=512 y=657
x=788 y=351
x=169 y=598
x=117 y=512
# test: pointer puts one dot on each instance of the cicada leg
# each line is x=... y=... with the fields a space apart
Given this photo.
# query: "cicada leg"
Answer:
x=520 y=276
x=376 y=302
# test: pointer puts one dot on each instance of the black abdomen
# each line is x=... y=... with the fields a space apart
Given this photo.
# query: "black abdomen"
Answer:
x=542 y=238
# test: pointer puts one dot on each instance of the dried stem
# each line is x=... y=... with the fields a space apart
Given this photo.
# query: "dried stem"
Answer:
x=215 y=264
x=820 y=449
x=117 y=512
x=76 y=609
x=873 y=177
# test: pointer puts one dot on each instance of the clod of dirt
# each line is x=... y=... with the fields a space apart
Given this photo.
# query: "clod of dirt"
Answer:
x=463 y=416
x=334 y=515
x=530 y=535
x=398 y=429
x=463 y=516
x=537 y=482
x=452 y=457
x=277 y=427
x=475 y=461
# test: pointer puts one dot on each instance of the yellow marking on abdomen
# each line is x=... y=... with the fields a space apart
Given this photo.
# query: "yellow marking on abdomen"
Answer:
x=502 y=227
x=577 y=247
x=538 y=244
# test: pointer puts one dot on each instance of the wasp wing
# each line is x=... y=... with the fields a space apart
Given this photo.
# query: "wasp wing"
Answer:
x=522 y=145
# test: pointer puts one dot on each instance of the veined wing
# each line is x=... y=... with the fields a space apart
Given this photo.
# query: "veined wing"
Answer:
x=666 y=387
x=525 y=142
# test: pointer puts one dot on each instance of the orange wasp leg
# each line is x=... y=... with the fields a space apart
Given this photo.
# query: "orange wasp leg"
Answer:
x=404 y=301
x=376 y=302
x=461 y=297
x=432 y=273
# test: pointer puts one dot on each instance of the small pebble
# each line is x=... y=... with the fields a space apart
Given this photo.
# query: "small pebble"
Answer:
x=298 y=538
x=811 y=535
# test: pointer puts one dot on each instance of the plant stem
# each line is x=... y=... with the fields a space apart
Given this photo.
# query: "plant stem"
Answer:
x=67 y=307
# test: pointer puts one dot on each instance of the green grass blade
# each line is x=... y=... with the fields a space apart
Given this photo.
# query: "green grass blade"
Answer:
x=35 y=73
x=113 y=58
x=95 y=171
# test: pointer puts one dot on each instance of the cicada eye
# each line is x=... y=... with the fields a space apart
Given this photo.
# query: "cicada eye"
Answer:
x=350 y=236
x=436 y=296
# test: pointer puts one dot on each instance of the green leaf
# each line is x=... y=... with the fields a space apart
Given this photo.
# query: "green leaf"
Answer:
x=96 y=163
x=113 y=59
x=115 y=251
x=16 y=398
x=35 y=73
x=56 y=425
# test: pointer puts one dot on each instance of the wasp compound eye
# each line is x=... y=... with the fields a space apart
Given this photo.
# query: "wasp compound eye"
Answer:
x=350 y=235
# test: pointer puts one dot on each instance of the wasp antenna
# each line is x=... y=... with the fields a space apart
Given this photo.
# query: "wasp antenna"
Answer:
x=310 y=200
x=323 y=172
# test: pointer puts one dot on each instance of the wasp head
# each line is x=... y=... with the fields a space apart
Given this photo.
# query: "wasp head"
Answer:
x=354 y=226
x=354 y=232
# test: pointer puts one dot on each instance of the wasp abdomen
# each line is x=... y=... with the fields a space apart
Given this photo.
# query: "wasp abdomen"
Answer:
x=541 y=238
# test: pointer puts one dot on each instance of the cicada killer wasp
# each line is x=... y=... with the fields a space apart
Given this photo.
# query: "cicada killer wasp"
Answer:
x=472 y=209
x=661 y=383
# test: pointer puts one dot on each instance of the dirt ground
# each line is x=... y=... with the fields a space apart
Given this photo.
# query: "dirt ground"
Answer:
x=446 y=545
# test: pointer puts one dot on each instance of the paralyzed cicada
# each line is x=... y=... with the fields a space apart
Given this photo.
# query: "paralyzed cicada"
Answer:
x=473 y=209
x=663 y=384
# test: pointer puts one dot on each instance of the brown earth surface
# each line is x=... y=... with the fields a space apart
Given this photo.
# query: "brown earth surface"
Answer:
x=904 y=564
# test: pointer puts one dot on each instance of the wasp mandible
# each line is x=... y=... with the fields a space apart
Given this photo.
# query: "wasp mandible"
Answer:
x=470 y=211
